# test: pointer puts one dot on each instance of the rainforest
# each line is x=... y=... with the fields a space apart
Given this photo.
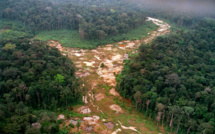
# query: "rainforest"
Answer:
x=107 y=67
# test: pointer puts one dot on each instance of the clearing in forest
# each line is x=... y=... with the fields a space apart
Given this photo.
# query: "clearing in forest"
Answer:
x=106 y=111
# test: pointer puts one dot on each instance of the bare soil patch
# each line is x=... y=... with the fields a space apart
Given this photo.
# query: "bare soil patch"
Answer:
x=114 y=92
x=89 y=64
x=116 y=108
x=91 y=120
x=84 y=110
x=99 y=96
x=109 y=125
x=61 y=116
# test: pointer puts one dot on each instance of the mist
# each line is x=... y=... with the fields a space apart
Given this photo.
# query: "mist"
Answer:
x=196 y=7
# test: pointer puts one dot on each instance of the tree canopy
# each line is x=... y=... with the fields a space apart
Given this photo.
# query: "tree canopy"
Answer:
x=34 y=76
x=173 y=79
x=93 y=19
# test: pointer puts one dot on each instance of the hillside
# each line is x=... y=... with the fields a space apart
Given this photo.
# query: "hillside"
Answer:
x=172 y=80
x=93 y=21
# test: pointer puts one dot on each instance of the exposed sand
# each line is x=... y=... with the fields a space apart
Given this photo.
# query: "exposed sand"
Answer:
x=114 y=92
x=88 y=68
x=116 y=108
x=84 y=98
x=61 y=116
x=78 y=54
x=130 y=127
x=84 y=110
x=81 y=74
x=74 y=122
x=99 y=96
x=89 y=64
x=107 y=48
x=117 y=57
x=97 y=57
x=115 y=132
x=91 y=120
x=130 y=45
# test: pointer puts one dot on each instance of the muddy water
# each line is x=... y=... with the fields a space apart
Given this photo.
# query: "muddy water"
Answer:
x=98 y=67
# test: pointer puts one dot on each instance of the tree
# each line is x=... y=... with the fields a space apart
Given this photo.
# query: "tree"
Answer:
x=191 y=125
x=158 y=117
x=172 y=79
x=21 y=109
x=9 y=101
x=188 y=111
x=34 y=77
x=17 y=124
x=33 y=130
x=206 y=128
x=160 y=108
x=112 y=11
x=59 y=79
x=188 y=90
x=9 y=46
x=65 y=94
x=137 y=97
x=173 y=110
x=2 y=111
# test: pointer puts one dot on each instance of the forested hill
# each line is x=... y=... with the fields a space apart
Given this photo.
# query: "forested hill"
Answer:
x=172 y=80
x=93 y=19
x=34 y=76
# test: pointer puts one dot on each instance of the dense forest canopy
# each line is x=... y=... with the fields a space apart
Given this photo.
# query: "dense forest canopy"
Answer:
x=170 y=79
x=92 y=19
x=173 y=79
x=34 y=76
x=11 y=30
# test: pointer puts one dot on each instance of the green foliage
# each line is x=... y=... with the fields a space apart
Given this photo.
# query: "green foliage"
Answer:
x=33 y=130
x=71 y=125
x=73 y=114
x=103 y=115
x=121 y=103
x=16 y=124
x=63 y=131
x=106 y=87
x=102 y=65
x=78 y=123
x=174 y=77
x=34 y=76
x=9 y=46
x=13 y=30
x=60 y=121
x=72 y=38
x=59 y=78
x=112 y=11
x=93 y=20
